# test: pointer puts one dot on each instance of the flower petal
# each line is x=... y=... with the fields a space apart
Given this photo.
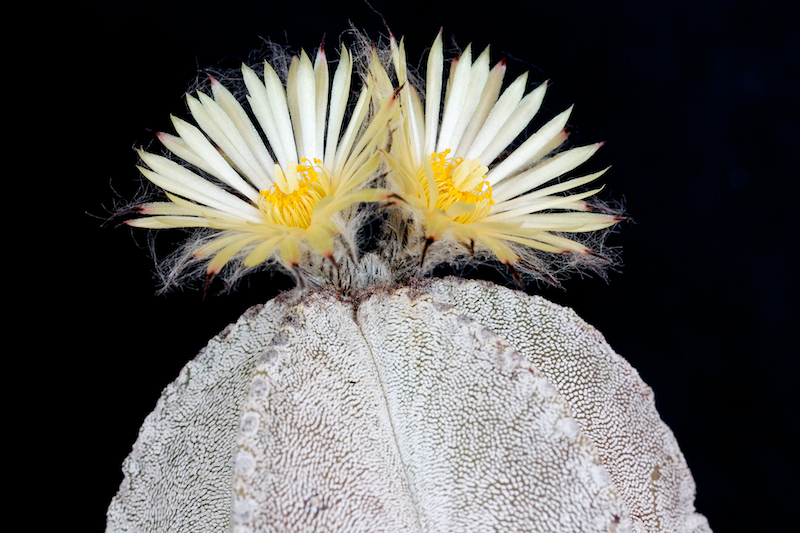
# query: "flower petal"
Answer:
x=488 y=99
x=505 y=122
x=174 y=178
x=244 y=127
x=455 y=101
x=198 y=143
x=280 y=111
x=340 y=93
x=433 y=94
x=529 y=148
x=547 y=170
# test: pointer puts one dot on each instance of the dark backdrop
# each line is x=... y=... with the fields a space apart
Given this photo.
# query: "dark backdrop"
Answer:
x=698 y=105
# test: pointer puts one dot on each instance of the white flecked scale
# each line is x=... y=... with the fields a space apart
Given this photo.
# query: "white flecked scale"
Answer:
x=446 y=406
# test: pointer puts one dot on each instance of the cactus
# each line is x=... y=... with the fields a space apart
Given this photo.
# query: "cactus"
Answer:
x=373 y=397
x=444 y=405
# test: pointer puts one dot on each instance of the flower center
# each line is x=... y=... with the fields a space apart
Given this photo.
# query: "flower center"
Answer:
x=460 y=180
x=292 y=199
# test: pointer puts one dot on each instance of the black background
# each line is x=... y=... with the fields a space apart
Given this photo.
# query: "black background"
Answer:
x=698 y=105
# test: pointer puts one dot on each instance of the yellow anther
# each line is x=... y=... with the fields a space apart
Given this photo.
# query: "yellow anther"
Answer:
x=460 y=180
x=292 y=204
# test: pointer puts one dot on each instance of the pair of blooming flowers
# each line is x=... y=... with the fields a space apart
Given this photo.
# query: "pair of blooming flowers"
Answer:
x=441 y=159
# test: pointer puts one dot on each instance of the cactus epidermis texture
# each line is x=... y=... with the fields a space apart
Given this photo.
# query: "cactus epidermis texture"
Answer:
x=448 y=405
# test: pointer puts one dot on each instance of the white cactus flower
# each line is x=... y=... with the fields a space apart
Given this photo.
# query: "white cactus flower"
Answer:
x=462 y=176
x=267 y=202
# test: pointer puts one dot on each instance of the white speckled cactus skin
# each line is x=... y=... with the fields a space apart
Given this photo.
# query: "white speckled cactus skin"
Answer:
x=448 y=405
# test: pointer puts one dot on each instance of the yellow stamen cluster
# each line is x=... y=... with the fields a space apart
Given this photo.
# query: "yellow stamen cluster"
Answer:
x=460 y=180
x=292 y=199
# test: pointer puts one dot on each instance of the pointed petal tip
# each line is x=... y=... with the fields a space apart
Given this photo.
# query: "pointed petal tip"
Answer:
x=210 y=275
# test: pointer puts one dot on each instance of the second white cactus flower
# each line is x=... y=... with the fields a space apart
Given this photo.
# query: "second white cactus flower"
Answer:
x=455 y=171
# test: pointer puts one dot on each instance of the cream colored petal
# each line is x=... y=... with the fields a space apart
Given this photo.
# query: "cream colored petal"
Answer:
x=294 y=107
x=496 y=135
x=174 y=178
x=405 y=175
x=322 y=211
x=290 y=251
x=340 y=94
x=245 y=127
x=433 y=94
x=218 y=125
x=374 y=136
x=416 y=120
x=228 y=252
x=455 y=101
x=212 y=214
x=548 y=170
x=164 y=208
x=568 y=221
x=302 y=103
x=178 y=146
x=220 y=241
x=350 y=134
x=540 y=193
x=260 y=105
x=548 y=149
x=541 y=204
x=379 y=79
x=280 y=111
x=488 y=99
x=320 y=240
x=567 y=245
x=530 y=242
x=262 y=251
x=459 y=208
x=169 y=222
x=198 y=143
x=413 y=113
x=322 y=79
x=531 y=146
x=398 y=59
x=479 y=74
